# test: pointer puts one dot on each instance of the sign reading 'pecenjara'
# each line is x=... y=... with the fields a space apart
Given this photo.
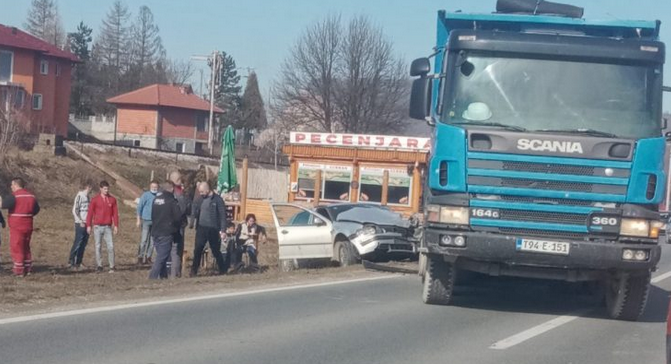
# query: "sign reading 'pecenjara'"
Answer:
x=361 y=141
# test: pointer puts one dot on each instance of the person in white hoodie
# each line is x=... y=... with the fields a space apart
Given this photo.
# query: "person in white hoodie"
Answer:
x=80 y=209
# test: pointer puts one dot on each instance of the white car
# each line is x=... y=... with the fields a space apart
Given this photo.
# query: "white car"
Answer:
x=345 y=233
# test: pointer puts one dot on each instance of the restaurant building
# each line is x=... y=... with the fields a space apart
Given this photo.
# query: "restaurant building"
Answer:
x=328 y=168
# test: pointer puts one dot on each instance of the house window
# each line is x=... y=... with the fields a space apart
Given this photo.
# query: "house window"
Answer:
x=19 y=99
x=58 y=69
x=179 y=147
x=6 y=62
x=136 y=143
x=44 y=67
x=37 y=101
x=202 y=124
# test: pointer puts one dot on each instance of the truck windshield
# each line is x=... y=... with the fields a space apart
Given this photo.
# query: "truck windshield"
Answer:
x=555 y=95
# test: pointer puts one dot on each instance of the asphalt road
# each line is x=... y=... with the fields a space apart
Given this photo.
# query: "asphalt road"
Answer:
x=375 y=321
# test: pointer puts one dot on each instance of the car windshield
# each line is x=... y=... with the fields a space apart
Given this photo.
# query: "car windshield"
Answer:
x=554 y=96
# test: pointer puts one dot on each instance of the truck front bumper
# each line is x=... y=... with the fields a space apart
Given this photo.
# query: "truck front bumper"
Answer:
x=496 y=254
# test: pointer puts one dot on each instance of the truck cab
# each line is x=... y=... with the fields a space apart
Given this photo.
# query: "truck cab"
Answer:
x=547 y=152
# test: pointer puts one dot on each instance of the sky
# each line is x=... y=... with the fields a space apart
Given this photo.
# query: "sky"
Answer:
x=259 y=33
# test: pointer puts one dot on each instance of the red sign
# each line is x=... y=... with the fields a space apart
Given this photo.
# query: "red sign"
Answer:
x=361 y=141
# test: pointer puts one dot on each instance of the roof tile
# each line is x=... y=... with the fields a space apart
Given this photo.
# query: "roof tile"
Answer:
x=164 y=95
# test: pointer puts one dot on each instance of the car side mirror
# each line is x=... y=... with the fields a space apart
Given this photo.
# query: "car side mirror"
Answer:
x=319 y=222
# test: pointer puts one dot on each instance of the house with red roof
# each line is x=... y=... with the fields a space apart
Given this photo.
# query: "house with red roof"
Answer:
x=35 y=80
x=165 y=117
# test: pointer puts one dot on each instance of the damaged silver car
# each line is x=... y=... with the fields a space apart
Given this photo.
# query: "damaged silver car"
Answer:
x=346 y=233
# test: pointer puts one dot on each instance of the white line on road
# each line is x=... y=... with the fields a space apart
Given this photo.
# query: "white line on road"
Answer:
x=44 y=316
x=660 y=277
x=552 y=324
x=536 y=330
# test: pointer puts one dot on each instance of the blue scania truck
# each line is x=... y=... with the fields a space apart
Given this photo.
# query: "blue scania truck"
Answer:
x=547 y=155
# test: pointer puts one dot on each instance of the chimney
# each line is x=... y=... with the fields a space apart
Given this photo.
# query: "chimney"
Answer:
x=14 y=30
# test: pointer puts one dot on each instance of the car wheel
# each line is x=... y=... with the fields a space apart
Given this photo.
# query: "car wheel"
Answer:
x=287 y=265
x=345 y=252
x=627 y=295
x=438 y=282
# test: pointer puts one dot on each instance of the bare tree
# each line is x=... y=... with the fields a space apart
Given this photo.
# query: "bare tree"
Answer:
x=179 y=72
x=113 y=42
x=343 y=79
x=305 y=93
x=44 y=22
x=371 y=87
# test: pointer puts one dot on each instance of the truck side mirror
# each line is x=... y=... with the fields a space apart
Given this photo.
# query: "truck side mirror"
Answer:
x=420 y=98
x=420 y=67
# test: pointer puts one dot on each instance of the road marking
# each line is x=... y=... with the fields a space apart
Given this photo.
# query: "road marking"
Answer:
x=52 y=315
x=660 y=277
x=536 y=330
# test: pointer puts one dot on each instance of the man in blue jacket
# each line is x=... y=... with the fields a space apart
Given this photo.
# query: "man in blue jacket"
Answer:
x=144 y=208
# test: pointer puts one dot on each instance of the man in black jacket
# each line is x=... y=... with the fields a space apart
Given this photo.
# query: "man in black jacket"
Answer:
x=209 y=214
x=166 y=217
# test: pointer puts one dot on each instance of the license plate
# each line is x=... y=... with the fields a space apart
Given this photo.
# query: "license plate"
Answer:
x=542 y=246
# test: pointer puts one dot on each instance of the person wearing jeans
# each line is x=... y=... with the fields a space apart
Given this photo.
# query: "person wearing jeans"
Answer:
x=210 y=216
x=144 y=206
x=103 y=221
x=79 y=211
x=166 y=218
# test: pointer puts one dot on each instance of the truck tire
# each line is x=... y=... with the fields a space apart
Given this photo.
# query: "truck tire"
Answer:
x=438 y=282
x=627 y=295
x=346 y=254
x=422 y=265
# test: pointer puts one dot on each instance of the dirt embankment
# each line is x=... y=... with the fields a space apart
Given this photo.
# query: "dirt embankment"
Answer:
x=55 y=182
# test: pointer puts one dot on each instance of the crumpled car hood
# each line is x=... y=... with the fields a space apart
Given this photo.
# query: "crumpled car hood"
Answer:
x=367 y=215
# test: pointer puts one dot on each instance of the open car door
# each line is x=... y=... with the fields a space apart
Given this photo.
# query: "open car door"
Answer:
x=301 y=233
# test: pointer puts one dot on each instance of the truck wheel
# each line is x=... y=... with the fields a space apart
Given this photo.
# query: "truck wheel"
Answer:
x=345 y=253
x=626 y=295
x=422 y=265
x=438 y=282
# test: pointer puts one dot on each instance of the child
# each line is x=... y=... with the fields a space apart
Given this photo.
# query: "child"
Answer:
x=229 y=246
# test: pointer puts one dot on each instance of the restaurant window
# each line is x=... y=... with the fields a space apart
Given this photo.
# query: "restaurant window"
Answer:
x=398 y=188
x=335 y=183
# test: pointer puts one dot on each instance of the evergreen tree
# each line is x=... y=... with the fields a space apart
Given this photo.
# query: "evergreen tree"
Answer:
x=227 y=90
x=252 y=111
x=79 y=43
x=44 y=22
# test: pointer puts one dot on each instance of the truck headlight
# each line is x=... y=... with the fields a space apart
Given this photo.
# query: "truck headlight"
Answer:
x=447 y=214
x=635 y=227
x=454 y=215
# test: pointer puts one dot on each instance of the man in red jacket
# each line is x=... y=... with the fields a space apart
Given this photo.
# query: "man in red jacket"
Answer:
x=103 y=220
x=22 y=206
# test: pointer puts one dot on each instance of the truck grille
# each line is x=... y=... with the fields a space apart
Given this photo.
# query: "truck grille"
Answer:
x=530 y=205
x=548 y=168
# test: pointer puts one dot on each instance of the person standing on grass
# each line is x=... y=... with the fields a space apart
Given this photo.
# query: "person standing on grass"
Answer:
x=103 y=220
x=166 y=218
x=146 y=246
x=210 y=222
x=22 y=207
x=80 y=209
x=174 y=264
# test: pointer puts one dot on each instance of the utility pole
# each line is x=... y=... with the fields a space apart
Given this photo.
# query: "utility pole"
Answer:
x=215 y=69
x=213 y=60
